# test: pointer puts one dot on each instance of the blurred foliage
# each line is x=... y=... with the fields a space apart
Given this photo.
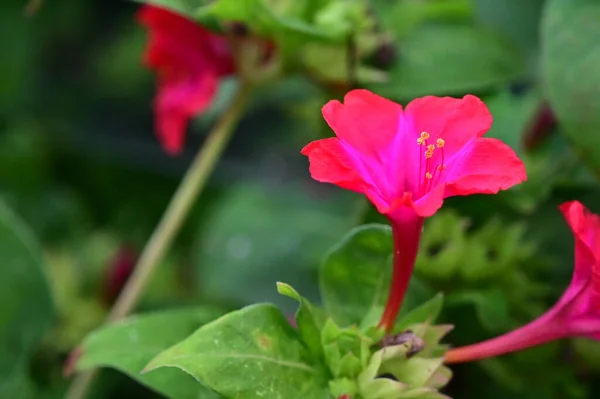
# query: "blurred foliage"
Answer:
x=81 y=168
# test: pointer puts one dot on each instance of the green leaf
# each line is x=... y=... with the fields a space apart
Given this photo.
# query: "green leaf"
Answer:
x=329 y=62
x=452 y=60
x=401 y=16
x=129 y=345
x=26 y=311
x=415 y=371
x=383 y=388
x=342 y=386
x=570 y=59
x=517 y=20
x=310 y=320
x=249 y=353
x=491 y=307
x=264 y=18
x=184 y=7
x=427 y=312
x=355 y=275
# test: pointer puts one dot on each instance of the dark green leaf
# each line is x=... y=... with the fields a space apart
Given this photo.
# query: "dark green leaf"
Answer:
x=355 y=275
x=27 y=310
x=570 y=59
x=250 y=353
x=129 y=345
x=401 y=16
x=451 y=60
x=517 y=20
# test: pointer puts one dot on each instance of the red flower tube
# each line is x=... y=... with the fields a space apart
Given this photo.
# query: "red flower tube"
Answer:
x=577 y=312
x=406 y=161
x=189 y=60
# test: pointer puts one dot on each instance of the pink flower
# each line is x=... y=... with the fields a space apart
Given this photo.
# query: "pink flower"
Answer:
x=407 y=161
x=190 y=61
x=577 y=312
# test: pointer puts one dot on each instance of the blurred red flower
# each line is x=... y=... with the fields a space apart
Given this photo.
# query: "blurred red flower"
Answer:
x=189 y=61
x=117 y=273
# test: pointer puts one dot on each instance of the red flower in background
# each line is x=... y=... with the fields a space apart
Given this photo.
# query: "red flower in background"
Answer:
x=189 y=61
x=118 y=272
x=407 y=161
x=577 y=312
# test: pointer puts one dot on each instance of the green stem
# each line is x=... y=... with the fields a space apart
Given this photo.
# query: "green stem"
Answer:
x=168 y=227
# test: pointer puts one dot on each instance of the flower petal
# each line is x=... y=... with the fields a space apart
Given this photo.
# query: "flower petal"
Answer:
x=367 y=125
x=586 y=229
x=487 y=167
x=455 y=120
x=180 y=43
x=330 y=163
x=429 y=204
x=365 y=121
x=176 y=102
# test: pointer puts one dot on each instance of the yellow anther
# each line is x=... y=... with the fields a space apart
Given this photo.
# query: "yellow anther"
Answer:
x=422 y=138
x=429 y=151
x=440 y=143
x=441 y=167
x=428 y=175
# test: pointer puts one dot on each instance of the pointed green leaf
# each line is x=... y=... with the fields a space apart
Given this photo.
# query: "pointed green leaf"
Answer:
x=414 y=372
x=432 y=337
x=355 y=275
x=342 y=386
x=330 y=332
x=383 y=388
x=27 y=309
x=370 y=372
x=349 y=366
x=427 y=312
x=249 y=353
x=310 y=320
x=130 y=344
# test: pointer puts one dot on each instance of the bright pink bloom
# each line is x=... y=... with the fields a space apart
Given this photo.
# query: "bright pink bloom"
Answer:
x=190 y=61
x=407 y=161
x=577 y=312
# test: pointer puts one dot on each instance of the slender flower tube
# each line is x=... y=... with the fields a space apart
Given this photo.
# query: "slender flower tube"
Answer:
x=406 y=161
x=577 y=312
x=190 y=61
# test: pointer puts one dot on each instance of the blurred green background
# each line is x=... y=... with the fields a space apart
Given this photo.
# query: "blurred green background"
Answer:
x=81 y=168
